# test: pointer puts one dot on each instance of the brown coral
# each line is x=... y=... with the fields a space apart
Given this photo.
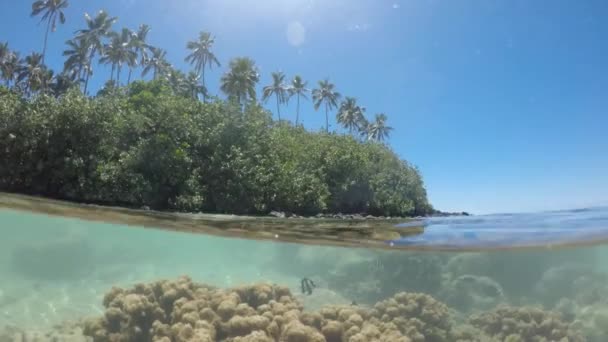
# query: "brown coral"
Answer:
x=183 y=311
x=525 y=324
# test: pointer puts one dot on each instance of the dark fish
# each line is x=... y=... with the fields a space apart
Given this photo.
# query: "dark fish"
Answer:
x=307 y=286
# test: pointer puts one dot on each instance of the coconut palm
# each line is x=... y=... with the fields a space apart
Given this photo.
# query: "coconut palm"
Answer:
x=350 y=114
x=10 y=67
x=327 y=95
x=378 y=130
x=177 y=80
x=141 y=48
x=52 y=10
x=240 y=81
x=201 y=55
x=61 y=83
x=157 y=62
x=97 y=29
x=118 y=53
x=278 y=89
x=4 y=51
x=298 y=88
x=33 y=75
x=9 y=64
x=77 y=62
x=192 y=85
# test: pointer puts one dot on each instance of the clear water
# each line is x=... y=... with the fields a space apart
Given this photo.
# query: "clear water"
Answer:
x=57 y=269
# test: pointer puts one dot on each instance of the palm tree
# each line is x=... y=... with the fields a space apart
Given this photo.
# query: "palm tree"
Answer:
x=5 y=54
x=139 y=45
x=177 y=81
x=378 y=130
x=298 y=88
x=61 y=83
x=158 y=62
x=118 y=52
x=51 y=9
x=33 y=74
x=240 y=81
x=10 y=66
x=97 y=29
x=327 y=95
x=278 y=89
x=201 y=55
x=77 y=62
x=4 y=51
x=350 y=115
x=193 y=86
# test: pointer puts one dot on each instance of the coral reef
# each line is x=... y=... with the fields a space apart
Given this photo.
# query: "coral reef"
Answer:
x=469 y=292
x=570 y=280
x=593 y=322
x=388 y=273
x=517 y=272
x=185 y=311
x=519 y=324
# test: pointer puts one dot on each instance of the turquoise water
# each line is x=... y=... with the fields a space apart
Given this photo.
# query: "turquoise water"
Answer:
x=55 y=269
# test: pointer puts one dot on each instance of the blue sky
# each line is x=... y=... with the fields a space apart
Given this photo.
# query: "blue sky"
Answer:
x=502 y=104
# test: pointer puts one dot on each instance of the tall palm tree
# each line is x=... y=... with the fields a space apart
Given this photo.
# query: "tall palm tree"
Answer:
x=177 y=81
x=193 y=86
x=278 y=89
x=4 y=51
x=141 y=48
x=97 y=29
x=33 y=75
x=378 y=130
x=298 y=88
x=157 y=62
x=10 y=66
x=350 y=114
x=61 y=83
x=240 y=81
x=201 y=55
x=77 y=62
x=327 y=95
x=118 y=53
x=52 y=9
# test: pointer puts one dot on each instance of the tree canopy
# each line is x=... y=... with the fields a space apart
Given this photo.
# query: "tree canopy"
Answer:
x=146 y=145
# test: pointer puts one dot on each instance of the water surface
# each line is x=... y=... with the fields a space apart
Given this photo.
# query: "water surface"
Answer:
x=57 y=261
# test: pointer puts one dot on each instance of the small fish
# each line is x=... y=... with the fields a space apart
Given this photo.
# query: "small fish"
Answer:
x=307 y=286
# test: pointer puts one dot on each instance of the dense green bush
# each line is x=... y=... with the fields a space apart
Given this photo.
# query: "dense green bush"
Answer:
x=143 y=145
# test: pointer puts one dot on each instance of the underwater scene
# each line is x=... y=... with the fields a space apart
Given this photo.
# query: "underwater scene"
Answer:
x=67 y=279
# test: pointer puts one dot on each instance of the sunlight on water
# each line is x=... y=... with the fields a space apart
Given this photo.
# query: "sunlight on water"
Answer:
x=56 y=270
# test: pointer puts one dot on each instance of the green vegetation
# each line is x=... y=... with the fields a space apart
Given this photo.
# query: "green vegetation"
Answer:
x=149 y=145
x=155 y=144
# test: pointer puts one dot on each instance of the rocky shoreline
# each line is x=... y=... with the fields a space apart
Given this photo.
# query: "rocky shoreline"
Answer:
x=340 y=216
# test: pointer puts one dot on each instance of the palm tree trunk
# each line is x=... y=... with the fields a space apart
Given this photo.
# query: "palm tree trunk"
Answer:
x=129 y=77
x=278 y=110
x=118 y=75
x=204 y=87
x=112 y=72
x=86 y=83
x=298 y=110
x=46 y=37
x=326 y=119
